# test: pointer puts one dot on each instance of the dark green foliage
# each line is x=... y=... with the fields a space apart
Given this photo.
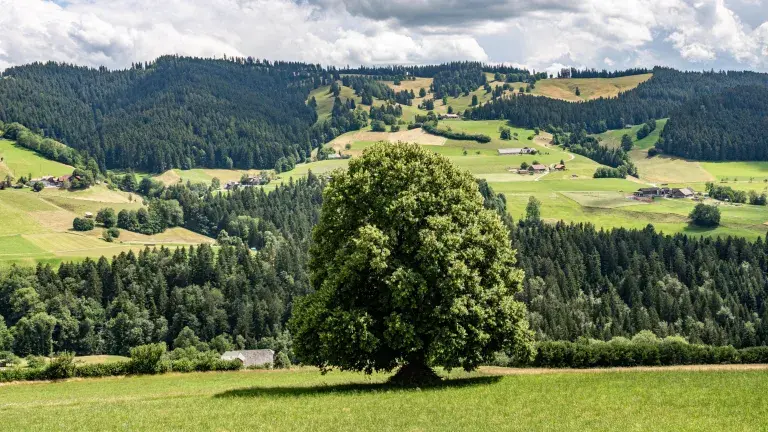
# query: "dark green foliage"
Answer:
x=456 y=135
x=83 y=224
x=175 y=112
x=656 y=98
x=161 y=215
x=626 y=142
x=705 y=215
x=590 y=354
x=378 y=126
x=505 y=133
x=646 y=129
x=60 y=367
x=384 y=295
x=594 y=73
x=107 y=217
x=605 y=172
x=387 y=113
x=730 y=125
x=653 y=151
x=145 y=359
x=38 y=186
x=726 y=193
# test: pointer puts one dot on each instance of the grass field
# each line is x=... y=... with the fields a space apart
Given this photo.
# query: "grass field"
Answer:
x=589 y=88
x=37 y=227
x=19 y=161
x=305 y=400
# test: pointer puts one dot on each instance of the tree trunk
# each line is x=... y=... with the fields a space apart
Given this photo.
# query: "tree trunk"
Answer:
x=415 y=373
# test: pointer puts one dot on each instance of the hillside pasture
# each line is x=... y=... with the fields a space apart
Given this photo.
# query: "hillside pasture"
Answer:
x=325 y=99
x=304 y=400
x=589 y=88
x=37 y=227
x=18 y=161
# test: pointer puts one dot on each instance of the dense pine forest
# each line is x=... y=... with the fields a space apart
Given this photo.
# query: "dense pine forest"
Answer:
x=731 y=125
x=667 y=91
x=175 y=112
x=580 y=281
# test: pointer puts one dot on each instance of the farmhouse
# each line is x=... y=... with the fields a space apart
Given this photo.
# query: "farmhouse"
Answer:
x=538 y=168
x=333 y=156
x=682 y=193
x=448 y=116
x=231 y=185
x=258 y=357
x=516 y=151
x=560 y=167
x=654 y=192
x=649 y=192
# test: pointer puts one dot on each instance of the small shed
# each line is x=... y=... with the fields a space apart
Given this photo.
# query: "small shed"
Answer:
x=560 y=167
x=682 y=193
x=538 y=168
x=257 y=357
x=88 y=215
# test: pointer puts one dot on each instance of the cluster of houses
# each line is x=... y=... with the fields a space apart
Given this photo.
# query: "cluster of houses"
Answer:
x=249 y=181
x=665 y=192
x=539 y=169
x=516 y=151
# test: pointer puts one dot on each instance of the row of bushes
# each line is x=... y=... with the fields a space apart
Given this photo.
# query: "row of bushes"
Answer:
x=145 y=359
x=456 y=135
x=627 y=354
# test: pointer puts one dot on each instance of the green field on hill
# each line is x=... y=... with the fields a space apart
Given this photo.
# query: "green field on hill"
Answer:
x=37 y=227
x=18 y=161
x=305 y=400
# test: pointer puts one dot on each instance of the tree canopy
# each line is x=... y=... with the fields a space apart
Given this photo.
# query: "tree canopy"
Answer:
x=409 y=269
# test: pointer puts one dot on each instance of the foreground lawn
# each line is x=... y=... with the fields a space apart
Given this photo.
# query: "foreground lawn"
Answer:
x=305 y=400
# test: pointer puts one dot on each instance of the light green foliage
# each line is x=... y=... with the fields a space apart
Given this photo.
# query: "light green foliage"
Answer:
x=6 y=338
x=409 y=268
x=637 y=401
x=533 y=210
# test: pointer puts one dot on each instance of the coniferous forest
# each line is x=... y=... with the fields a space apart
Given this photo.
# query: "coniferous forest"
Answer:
x=176 y=112
x=659 y=97
x=731 y=125
x=580 y=281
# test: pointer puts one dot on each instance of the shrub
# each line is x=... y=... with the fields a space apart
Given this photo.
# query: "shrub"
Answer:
x=61 y=367
x=145 y=359
x=653 y=151
x=705 y=215
x=754 y=355
x=102 y=369
x=38 y=186
x=182 y=365
x=282 y=361
x=35 y=362
x=83 y=224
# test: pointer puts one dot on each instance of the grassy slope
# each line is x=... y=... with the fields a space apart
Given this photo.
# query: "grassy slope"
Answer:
x=37 y=226
x=305 y=400
x=590 y=88
x=19 y=161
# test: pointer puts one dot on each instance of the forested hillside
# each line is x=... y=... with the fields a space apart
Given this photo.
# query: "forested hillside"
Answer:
x=580 y=282
x=656 y=98
x=731 y=125
x=174 y=113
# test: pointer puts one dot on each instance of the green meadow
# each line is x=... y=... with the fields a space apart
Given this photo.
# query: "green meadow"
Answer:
x=305 y=400
x=18 y=161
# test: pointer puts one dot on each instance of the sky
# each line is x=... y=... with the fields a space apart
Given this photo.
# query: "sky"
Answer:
x=537 y=34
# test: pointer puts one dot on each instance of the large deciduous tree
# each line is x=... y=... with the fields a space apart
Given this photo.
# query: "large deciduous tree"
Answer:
x=409 y=270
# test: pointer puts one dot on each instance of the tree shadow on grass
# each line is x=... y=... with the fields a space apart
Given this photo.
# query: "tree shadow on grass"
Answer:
x=298 y=391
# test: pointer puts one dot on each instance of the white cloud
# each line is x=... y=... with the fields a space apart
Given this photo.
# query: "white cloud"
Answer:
x=537 y=33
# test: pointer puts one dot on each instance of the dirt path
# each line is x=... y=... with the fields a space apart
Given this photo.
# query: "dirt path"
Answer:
x=496 y=370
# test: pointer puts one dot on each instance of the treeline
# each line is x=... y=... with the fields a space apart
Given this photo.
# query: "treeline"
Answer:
x=645 y=349
x=456 y=135
x=656 y=98
x=727 y=193
x=594 y=73
x=455 y=82
x=729 y=125
x=46 y=147
x=616 y=158
x=580 y=281
x=176 y=112
x=584 y=282
x=428 y=71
